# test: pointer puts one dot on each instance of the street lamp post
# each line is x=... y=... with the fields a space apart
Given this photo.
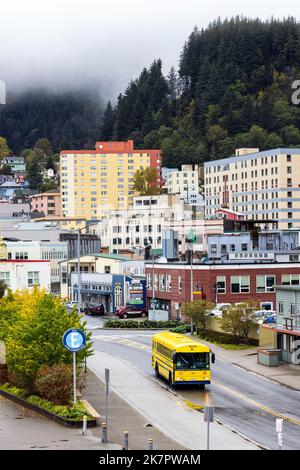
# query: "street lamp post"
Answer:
x=79 y=275
x=153 y=292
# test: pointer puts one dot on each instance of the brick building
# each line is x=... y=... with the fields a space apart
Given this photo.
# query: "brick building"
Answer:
x=217 y=282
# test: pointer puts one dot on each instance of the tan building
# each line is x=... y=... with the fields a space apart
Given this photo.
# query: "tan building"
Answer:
x=94 y=181
x=47 y=202
x=261 y=185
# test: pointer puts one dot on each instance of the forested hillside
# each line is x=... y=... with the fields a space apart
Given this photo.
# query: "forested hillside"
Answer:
x=68 y=120
x=233 y=89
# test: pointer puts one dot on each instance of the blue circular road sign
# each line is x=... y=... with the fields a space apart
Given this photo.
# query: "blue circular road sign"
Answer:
x=74 y=340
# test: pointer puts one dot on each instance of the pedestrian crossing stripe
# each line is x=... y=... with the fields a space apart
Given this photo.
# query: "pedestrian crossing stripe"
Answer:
x=123 y=341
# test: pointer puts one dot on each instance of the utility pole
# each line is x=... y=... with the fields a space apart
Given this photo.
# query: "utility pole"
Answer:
x=153 y=292
x=79 y=274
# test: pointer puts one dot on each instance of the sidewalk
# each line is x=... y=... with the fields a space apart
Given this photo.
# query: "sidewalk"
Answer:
x=122 y=416
x=22 y=429
x=165 y=412
x=285 y=374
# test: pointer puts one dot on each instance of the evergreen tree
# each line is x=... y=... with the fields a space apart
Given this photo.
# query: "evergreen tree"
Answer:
x=107 y=127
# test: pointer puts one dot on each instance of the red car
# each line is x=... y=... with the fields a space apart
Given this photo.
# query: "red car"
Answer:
x=95 y=310
x=131 y=311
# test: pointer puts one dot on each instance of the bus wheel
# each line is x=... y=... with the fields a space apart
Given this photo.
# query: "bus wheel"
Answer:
x=156 y=370
x=170 y=379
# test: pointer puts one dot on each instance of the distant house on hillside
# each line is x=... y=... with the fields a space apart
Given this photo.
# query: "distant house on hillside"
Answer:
x=17 y=164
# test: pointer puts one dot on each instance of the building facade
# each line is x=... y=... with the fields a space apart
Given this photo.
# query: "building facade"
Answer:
x=25 y=274
x=217 y=282
x=186 y=182
x=110 y=290
x=261 y=185
x=93 y=181
x=48 y=202
x=54 y=252
x=285 y=334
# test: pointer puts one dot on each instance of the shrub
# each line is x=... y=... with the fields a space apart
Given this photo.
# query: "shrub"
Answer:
x=141 y=324
x=179 y=329
x=74 y=413
x=18 y=392
x=55 y=383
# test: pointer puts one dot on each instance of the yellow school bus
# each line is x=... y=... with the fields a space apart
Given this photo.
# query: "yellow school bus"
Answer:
x=180 y=359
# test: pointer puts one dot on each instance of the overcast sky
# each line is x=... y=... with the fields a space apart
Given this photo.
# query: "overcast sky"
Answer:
x=82 y=42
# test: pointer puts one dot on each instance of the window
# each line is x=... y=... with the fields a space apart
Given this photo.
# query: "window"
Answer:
x=265 y=283
x=155 y=281
x=168 y=283
x=33 y=278
x=162 y=282
x=290 y=280
x=240 y=284
x=107 y=269
x=213 y=249
x=221 y=285
x=179 y=285
x=5 y=276
x=244 y=246
x=118 y=296
x=280 y=307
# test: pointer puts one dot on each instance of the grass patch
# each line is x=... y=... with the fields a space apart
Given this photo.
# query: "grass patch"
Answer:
x=69 y=412
x=227 y=341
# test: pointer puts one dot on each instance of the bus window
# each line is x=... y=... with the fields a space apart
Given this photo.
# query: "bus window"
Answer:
x=188 y=361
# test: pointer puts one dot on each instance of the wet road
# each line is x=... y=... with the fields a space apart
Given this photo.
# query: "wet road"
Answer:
x=244 y=401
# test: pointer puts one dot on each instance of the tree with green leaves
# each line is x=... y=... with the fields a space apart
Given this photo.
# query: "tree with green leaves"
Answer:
x=3 y=288
x=34 y=173
x=107 y=127
x=4 y=150
x=32 y=324
x=238 y=319
x=144 y=182
x=199 y=312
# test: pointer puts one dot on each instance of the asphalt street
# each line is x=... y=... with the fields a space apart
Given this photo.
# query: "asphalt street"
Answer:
x=246 y=402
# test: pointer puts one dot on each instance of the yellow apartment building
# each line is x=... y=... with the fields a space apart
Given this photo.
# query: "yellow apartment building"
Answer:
x=260 y=185
x=94 y=181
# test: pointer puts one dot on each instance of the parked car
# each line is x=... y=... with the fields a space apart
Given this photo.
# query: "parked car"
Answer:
x=71 y=304
x=262 y=315
x=95 y=310
x=217 y=311
x=130 y=311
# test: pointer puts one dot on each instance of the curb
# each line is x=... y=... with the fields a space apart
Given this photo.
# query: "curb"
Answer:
x=41 y=411
x=264 y=376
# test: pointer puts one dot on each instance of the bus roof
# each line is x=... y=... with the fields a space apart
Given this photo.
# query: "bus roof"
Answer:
x=176 y=341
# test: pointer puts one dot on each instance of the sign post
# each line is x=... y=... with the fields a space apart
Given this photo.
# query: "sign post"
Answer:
x=208 y=418
x=106 y=394
x=279 y=430
x=74 y=340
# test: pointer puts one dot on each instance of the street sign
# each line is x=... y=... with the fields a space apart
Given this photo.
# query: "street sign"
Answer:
x=208 y=418
x=208 y=414
x=280 y=439
x=106 y=381
x=74 y=340
x=279 y=425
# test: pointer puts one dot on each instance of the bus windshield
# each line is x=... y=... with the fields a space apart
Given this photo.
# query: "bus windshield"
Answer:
x=185 y=361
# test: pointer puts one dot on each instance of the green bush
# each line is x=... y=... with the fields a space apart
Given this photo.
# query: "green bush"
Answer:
x=18 y=392
x=179 y=329
x=223 y=338
x=68 y=412
x=73 y=413
x=141 y=324
x=55 y=383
